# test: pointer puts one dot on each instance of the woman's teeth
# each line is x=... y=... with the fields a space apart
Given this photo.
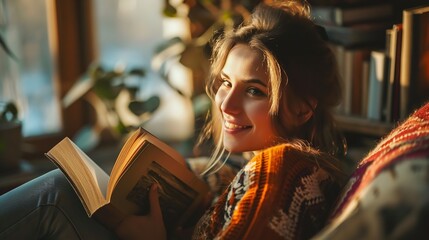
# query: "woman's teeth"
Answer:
x=234 y=126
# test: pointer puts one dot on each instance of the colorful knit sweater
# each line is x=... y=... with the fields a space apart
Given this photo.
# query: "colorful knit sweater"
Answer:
x=284 y=192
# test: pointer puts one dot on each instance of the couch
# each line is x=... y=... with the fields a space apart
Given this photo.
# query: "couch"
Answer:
x=387 y=195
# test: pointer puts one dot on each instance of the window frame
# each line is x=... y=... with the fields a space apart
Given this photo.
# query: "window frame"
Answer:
x=72 y=45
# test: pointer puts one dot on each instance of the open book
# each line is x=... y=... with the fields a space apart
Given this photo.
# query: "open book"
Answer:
x=142 y=161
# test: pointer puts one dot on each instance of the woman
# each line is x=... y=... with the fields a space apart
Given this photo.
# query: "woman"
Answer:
x=274 y=83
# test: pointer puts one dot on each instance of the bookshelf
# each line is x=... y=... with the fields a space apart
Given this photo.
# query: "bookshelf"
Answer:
x=361 y=125
x=368 y=38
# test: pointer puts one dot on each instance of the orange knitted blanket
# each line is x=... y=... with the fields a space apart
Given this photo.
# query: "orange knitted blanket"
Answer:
x=284 y=192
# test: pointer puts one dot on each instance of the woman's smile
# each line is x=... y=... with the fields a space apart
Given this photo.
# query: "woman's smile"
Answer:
x=235 y=128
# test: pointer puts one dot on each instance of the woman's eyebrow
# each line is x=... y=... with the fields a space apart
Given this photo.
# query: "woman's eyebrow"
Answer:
x=257 y=81
x=222 y=74
x=253 y=80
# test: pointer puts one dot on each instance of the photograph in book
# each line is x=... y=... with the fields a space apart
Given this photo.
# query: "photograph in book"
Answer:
x=174 y=195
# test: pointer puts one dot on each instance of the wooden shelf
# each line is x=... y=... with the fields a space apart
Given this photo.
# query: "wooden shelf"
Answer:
x=362 y=125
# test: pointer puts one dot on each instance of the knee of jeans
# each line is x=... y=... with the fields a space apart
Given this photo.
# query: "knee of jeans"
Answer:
x=56 y=190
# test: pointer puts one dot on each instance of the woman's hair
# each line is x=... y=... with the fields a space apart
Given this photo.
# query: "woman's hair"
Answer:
x=301 y=69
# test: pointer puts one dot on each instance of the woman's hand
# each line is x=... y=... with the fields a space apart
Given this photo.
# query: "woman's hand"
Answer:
x=150 y=226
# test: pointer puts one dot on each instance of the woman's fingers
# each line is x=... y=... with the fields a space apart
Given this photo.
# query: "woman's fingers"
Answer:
x=155 y=208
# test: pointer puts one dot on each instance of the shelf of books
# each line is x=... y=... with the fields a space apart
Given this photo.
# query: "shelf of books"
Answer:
x=383 y=60
x=363 y=125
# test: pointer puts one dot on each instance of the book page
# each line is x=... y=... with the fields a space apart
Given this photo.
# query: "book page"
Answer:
x=180 y=189
x=87 y=178
x=164 y=147
x=127 y=154
x=122 y=157
x=130 y=150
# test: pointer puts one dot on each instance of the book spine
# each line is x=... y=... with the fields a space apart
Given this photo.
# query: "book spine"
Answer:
x=338 y=16
x=365 y=85
x=348 y=81
x=360 y=56
x=414 y=75
x=406 y=61
x=339 y=52
x=387 y=51
x=392 y=106
x=377 y=78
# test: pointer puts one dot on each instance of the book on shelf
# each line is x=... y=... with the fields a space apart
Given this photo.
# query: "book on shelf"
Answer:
x=338 y=51
x=347 y=81
x=414 y=71
x=358 y=78
x=352 y=65
x=351 y=14
x=365 y=85
x=369 y=33
x=142 y=161
x=394 y=55
x=377 y=85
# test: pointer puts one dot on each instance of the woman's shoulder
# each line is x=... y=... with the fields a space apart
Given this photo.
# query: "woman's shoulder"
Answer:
x=298 y=148
x=301 y=156
x=295 y=153
x=279 y=192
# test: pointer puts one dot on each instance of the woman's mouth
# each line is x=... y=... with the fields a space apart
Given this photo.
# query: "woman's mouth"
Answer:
x=231 y=127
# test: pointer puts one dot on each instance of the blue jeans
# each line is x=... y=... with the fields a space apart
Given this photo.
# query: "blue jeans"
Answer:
x=47 y=208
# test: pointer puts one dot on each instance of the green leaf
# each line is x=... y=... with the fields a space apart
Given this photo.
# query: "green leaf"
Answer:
x=8 y=112
x=138 y=72
x=7 y=49
x=169 y=11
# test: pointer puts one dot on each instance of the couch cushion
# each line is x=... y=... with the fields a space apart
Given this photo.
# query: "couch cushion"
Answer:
x=387 y=195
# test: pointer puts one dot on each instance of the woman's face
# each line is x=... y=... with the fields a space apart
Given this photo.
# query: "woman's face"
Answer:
x=243 y=100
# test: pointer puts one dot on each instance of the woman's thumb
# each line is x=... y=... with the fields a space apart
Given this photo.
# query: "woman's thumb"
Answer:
x=155 y=209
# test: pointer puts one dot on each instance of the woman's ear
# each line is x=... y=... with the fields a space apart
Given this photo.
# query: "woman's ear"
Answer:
x=305 y=111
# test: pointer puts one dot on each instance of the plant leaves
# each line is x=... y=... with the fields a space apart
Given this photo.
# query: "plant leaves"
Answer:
x=7 y=49
x=8 y=112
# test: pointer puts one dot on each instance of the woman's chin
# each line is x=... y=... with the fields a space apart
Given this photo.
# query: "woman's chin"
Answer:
x=236 y=148
x=232 y=149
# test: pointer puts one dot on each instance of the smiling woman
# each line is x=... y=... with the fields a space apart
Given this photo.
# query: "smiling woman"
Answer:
x=274 y=83
x=299 y=70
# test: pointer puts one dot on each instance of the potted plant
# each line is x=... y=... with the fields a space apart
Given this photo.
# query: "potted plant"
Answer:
x=10 y=127
x=10 y=136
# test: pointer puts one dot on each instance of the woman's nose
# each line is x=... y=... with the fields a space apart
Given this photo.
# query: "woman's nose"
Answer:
x=231 y=103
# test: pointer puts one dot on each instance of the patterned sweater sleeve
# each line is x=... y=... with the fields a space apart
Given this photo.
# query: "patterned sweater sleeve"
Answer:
x=282 y=193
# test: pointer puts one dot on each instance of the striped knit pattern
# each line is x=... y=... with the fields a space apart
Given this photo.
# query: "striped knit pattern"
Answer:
x=282 y=193
x=410 y=138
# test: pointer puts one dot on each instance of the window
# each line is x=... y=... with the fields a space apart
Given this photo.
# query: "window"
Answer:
x=30 y=80
x=128 y=32
x=57 y=40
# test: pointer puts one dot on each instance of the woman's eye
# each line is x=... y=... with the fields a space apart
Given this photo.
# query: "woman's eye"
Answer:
x=225 y=82
x=256 y=92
